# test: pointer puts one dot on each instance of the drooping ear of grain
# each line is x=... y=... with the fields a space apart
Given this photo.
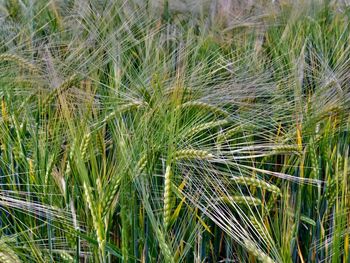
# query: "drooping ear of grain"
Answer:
x=21 y=62
x=250 y=181
x=204 y=127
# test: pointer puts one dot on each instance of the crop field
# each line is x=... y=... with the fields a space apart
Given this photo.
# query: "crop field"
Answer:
x=174 y=131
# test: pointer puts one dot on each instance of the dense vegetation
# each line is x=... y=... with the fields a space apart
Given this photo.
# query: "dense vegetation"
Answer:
x=192 y=136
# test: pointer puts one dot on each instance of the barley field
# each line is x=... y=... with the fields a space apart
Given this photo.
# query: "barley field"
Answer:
x=174 y=131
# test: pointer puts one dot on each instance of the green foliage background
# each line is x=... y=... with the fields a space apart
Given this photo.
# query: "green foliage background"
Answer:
x=207 y=135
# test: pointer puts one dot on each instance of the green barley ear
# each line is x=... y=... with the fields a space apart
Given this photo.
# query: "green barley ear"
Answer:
x=282 y=149
x=250 y=181
x=313 y=157
x=4 y=113
x=229 y=133
x=257 y=252
x=203 y=106
x=204 y=127
x=331 y=192
x=113 y=114
x=19 y=151
x=241 y=200
x=31 y=170
x=97 y=223
x=192 y=154
x=85 y=144
x=49 y=167
x=109 y=195
x=66 y=84
x=257 y=225
x=222 y=137
x=66 y=257
x=21 y=62
x=167 y=196
x=141 y=164
x=164 y=247
x=7 y=255
x=115 y=183
x=270 y=204
x=68 y=168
